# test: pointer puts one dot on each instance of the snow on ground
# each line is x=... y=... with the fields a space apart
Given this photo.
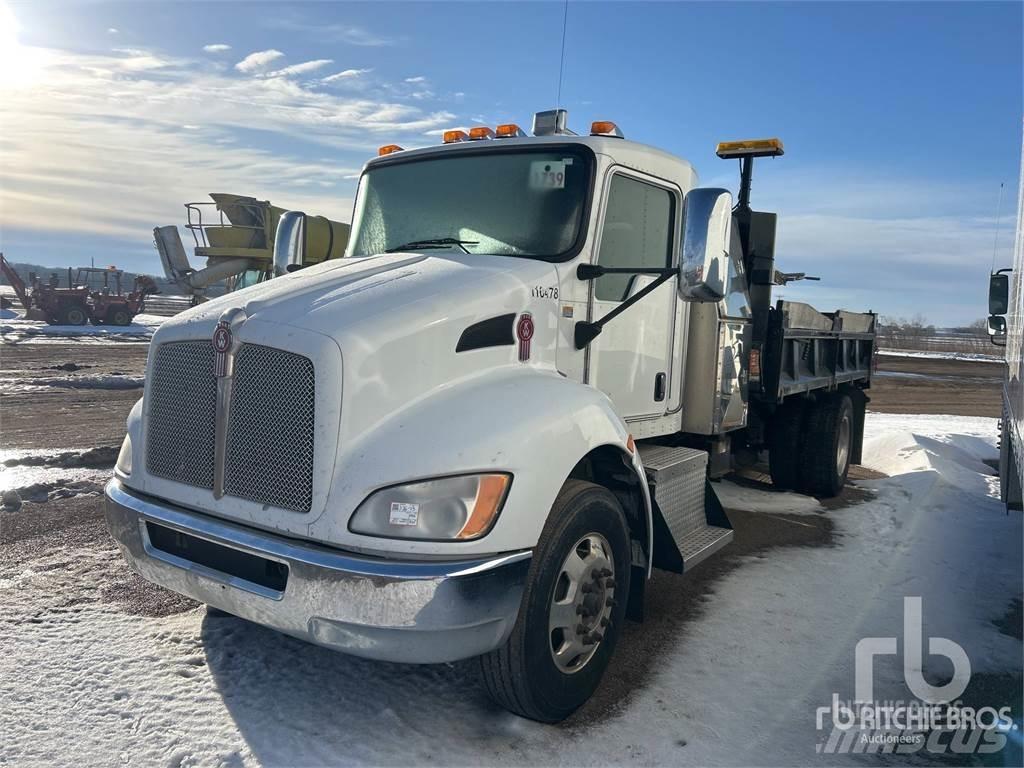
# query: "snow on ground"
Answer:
x=44 y=383
x=21 y=331
x=975 y=357
x=739 y=686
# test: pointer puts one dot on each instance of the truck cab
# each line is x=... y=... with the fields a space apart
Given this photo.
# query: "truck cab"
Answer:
x=477 y=433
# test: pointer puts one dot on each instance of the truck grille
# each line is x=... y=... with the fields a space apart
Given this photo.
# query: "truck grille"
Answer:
x=271 y=425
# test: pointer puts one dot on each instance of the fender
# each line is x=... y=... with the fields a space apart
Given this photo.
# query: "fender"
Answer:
x=532 y=423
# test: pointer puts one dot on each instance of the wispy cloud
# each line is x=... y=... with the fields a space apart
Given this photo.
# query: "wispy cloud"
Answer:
x=113 y=143
x=216 y=47
x=417 y=79
x=333 y=33
x=258 y=60
x=346 y=74
x=112 y=30
x=299 y=69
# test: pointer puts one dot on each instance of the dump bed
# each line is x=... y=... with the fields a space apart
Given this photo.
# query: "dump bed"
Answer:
x=807 y=350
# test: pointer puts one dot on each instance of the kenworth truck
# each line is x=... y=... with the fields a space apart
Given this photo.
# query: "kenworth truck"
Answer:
x=477 y=433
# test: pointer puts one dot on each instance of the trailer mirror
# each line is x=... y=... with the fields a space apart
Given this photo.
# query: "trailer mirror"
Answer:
x=707 y=228
x=998 y=294
x=290 y=243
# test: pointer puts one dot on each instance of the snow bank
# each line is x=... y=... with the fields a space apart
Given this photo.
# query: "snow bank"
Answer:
x=738 y=684
x=976 y=357
x=38 y=332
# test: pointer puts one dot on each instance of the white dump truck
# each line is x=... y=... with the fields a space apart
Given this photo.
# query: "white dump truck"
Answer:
x=477 y=433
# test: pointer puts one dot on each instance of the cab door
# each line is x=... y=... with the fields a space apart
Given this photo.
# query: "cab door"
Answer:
x=631 y=360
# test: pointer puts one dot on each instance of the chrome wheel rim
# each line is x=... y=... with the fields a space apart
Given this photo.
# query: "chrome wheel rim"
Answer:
x=843 y=449
x=581 y=603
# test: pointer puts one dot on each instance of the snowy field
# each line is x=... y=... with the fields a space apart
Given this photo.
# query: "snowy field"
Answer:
x=14 y=329
x=84 y=682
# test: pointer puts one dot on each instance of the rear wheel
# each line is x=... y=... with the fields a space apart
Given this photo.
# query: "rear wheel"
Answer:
x=118 y=316
x=572 y=611
x=74 y=314
x=784 y=438
x=827 y=443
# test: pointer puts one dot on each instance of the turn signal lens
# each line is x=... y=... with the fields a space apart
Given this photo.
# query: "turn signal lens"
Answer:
x=450 y=137
x=508 y=131
x=489 y=495
x=480 y=132
x=388 y=149
x=605 y=128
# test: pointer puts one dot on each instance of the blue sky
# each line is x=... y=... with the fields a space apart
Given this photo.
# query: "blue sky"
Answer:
x=900 y=120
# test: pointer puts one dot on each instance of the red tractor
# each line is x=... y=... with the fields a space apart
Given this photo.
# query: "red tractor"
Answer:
x=92 y=295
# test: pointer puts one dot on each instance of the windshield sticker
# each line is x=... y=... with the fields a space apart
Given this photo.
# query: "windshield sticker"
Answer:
x=547 y=174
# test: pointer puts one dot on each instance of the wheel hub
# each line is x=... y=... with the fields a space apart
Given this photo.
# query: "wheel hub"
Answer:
x=582 y=602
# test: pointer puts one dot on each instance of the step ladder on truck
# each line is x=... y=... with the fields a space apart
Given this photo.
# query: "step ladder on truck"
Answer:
x=478 y=433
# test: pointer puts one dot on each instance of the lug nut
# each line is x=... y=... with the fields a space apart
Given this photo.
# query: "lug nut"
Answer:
x=605 y=572
x=604 y=621
x=609 y=582
x=580 y=629
x=581 y=610
x=586 y=589
x=611 y=602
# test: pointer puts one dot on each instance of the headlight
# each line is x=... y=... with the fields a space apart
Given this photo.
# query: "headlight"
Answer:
x=459 y=508
x=124 y=458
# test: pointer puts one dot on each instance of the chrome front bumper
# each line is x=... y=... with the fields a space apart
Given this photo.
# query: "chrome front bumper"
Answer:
x=405 y=611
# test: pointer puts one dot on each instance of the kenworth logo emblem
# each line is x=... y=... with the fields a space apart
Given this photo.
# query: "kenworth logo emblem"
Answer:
x=222 y=346
x=524 y=332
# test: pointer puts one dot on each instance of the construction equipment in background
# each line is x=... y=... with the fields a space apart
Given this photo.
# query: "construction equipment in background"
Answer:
x=93 y=295
x=236 y=239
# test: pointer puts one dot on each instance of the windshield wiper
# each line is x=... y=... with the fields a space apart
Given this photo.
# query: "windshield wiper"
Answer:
x=436 y=242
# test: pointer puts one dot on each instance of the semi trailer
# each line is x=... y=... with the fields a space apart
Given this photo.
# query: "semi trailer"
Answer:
x=1006 y=329
x=476 y=434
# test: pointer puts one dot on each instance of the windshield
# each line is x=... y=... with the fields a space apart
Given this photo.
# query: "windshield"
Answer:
x=511 y=203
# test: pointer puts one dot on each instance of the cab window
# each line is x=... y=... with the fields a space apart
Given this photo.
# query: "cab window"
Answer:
x=637 y=232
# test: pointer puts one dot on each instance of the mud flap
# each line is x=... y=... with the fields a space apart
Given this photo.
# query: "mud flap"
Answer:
x=689 y=521
x=860 y=404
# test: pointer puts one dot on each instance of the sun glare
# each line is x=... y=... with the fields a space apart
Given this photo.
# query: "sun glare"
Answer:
x=19 y=65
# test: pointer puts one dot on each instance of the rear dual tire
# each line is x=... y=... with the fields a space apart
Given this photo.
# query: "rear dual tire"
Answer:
x=810 y=445
x=545 y=670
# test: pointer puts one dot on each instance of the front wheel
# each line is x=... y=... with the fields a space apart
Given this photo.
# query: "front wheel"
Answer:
x=572 y=611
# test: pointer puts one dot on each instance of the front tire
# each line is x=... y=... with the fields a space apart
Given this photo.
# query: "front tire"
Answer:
x=572 y=611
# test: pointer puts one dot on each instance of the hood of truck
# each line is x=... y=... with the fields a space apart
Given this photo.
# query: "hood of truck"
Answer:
x=382 y=333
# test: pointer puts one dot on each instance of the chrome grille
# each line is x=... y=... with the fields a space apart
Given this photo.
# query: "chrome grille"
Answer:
x=181 y=402
x=270 y=430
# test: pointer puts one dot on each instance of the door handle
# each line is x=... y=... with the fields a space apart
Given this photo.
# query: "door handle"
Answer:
x=659 y=387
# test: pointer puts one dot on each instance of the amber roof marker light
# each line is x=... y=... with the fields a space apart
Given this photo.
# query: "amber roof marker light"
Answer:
x=388 y=149
x=454 y=136
x=509 y=131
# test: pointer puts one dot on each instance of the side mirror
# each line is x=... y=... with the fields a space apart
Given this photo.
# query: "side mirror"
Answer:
x=998 y=293
x=997 y=330
x=707 y=228
x=290 y=243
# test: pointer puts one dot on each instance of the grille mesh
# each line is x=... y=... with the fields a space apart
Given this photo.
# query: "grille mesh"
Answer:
x=270 y=430
x=270 y=433
x=182 y=405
